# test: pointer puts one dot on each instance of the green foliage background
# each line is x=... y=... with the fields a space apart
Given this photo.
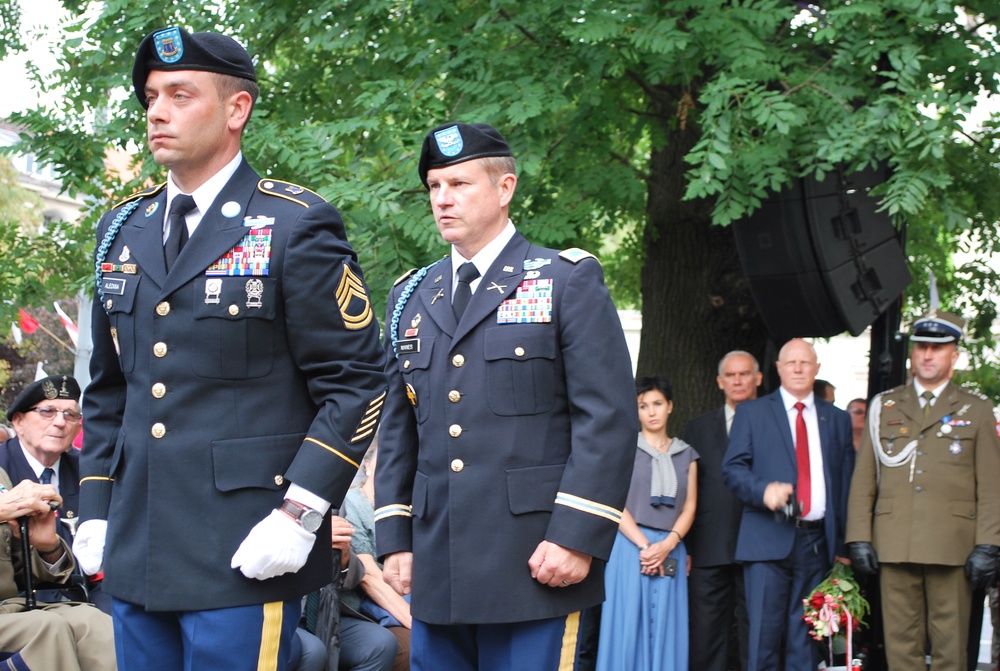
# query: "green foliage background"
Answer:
x=590 y=94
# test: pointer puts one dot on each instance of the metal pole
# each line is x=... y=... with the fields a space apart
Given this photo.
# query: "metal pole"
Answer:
x=29 y=588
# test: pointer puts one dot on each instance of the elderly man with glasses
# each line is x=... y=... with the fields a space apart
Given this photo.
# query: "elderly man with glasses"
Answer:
x=46 y=417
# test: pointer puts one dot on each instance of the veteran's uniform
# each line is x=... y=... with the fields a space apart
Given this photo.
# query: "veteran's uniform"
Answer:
x=924 y=494
x=510 y=427
x=60 y=636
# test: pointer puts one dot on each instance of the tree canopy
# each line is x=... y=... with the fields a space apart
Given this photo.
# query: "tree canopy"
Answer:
x=642 y=129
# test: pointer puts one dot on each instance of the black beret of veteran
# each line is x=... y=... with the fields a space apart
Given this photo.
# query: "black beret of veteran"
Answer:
x=176 y=49
x=453 y=143
x=47 y=389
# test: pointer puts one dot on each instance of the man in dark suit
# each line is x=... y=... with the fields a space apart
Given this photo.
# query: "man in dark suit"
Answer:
x=716 y=596
x=510 y=427
x=236 y=380
x=789 y=460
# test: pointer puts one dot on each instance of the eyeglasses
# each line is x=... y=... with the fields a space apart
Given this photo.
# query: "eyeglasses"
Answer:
x=50 y=414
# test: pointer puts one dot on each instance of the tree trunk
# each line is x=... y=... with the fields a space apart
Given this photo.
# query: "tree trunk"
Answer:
x=696 y=303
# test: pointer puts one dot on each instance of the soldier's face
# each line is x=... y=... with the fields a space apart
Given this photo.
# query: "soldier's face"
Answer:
x=468 y=207
x=933 y=363
x=187 y=122
x=739 y=380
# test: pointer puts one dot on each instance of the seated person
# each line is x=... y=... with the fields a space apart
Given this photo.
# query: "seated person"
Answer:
x=354 y=642
x=47 y=418
x=373 y=597
x=63 y=636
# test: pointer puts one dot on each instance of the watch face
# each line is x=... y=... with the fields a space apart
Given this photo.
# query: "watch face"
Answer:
x=311 y=520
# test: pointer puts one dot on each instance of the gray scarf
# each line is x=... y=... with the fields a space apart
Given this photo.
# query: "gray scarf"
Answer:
x=663 y=488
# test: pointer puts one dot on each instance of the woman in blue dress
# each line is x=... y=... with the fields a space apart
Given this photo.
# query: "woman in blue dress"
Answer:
x=644 y=624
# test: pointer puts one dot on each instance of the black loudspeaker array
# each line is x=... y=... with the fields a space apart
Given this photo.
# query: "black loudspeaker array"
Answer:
x=820 y=258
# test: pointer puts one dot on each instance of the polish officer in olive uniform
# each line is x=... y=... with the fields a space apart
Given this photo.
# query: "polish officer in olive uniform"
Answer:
x=236 y=381
x=924 y=506
x=506 y=448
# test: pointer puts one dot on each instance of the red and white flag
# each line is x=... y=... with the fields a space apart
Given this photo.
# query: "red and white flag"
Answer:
x=71 y=328
x=27 y=323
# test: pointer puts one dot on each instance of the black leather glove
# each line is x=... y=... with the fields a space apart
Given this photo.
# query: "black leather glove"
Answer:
x=981 y=566
x=863 y=559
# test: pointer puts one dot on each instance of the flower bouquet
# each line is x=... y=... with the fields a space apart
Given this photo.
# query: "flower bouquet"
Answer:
x=835 y=608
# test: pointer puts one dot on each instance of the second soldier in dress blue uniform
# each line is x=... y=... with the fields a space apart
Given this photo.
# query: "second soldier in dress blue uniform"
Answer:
x=508 y=438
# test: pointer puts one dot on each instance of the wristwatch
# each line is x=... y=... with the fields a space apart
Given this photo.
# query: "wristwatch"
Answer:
x=307 y=518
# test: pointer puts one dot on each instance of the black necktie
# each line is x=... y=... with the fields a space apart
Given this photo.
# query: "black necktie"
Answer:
x=178 y=228
x=467 y=272
x=47 y=474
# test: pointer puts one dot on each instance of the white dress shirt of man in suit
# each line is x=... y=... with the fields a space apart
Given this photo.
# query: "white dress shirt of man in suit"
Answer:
x=715 y=581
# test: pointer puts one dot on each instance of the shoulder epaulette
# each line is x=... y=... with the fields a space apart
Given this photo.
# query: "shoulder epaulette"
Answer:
x=575 y=255
x=973 y=392
x=151 y=191
x=404 y=276
x=288 y=191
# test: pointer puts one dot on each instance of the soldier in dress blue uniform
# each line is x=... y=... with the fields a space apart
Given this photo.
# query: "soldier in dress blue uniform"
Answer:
x=924 y=508
x=509 y=430
x=236 y=381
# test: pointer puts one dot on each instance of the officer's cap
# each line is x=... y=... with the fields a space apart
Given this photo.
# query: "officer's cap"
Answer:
x=454 y=143
x=46 y=389
x=176 y=49
x=937 y=327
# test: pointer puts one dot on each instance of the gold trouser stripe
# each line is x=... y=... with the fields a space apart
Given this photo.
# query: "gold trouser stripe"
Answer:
x=571 y=634
x=270 y=636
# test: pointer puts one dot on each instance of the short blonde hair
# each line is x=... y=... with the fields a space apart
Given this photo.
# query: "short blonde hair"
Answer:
x=498 y=166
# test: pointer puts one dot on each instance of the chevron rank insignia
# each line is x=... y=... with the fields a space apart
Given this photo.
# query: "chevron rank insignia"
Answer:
x=352 y=298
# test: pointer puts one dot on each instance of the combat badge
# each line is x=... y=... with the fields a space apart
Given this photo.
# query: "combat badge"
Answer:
x=255 y=290
x=535 y=264
x=352 y=299
x=260 y=221
x=125 y=255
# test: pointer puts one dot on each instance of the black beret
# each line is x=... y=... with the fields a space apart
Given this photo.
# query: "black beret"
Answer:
x=47 y=389
x=454 y=143
x=177 y=49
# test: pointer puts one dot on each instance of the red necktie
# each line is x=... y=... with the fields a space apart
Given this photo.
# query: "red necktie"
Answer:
x=802 y=459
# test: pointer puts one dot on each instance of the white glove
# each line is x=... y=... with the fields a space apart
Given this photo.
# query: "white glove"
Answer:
x=276 y=545
x=88 y=545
